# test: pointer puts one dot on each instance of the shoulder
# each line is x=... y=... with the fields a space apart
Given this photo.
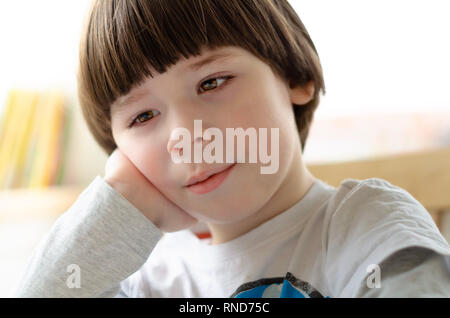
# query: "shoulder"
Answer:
x=366 y=222
x=372 y=200
x=374 y=209
x=358 y=191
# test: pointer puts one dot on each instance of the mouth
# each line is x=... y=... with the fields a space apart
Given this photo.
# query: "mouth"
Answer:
x=207 y=182
x=203 y=175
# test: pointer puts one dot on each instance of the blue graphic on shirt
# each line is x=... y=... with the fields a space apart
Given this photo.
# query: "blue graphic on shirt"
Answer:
x=278 y=287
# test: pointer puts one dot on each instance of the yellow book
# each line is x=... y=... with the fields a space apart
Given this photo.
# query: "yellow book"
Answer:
x=63 y=144
x=39 y=143
x=17 y=138
x=55 y=132
x=23 y=139
x=7 y=110
x=38 y=123
x=46 y=147
x=6 y=134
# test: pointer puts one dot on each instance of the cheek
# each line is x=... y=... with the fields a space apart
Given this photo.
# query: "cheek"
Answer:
x=147 y=159
x=265 y=109
x=269 y=117
x=274 y=114
x=261 y=108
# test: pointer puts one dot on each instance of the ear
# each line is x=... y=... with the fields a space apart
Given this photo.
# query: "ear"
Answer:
x=301 y=95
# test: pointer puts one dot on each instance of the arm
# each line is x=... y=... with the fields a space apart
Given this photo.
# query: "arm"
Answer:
x=106 y=236
x=103 y=235
x=377 y=223
x=412 y=272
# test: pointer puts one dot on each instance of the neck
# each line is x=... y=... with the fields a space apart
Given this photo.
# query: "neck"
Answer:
x=294 y=187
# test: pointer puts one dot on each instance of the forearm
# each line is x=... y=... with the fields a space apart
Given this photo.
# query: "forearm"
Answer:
x=100 y=241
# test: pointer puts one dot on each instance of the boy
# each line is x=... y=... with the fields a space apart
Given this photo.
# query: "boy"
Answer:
x=148 y=68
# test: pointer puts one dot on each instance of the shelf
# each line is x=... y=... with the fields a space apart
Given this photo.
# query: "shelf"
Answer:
x=425 y=175
x=32 y=204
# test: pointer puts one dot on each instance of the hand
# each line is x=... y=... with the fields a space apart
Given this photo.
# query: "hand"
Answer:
x=123 y=176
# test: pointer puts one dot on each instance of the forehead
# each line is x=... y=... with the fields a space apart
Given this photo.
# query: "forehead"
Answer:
x=183 y=66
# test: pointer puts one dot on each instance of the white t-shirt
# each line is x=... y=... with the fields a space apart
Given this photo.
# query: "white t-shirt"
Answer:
x=329 y=244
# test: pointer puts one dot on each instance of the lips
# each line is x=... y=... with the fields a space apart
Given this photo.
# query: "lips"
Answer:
x=203 y=175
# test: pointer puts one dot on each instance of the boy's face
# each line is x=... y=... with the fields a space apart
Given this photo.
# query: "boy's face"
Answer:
x=254 y=97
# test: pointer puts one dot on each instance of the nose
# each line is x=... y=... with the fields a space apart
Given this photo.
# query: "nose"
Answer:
x=187 y=125
x=177 y=137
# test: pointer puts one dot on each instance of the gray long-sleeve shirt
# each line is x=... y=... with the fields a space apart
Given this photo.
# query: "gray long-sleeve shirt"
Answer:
x=102 y=237
x=104 y=247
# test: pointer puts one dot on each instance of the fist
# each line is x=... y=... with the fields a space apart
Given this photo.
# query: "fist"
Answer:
x=124 y=177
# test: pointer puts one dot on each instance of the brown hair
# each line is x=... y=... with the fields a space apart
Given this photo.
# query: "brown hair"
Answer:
x=122 y=37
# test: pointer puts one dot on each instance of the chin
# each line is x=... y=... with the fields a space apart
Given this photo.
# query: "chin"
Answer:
x=233 y=202
x=229 y=212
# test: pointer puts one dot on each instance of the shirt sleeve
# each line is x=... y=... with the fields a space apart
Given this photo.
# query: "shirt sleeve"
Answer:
x=369 y=223
x=411 y=272
x=99 y=242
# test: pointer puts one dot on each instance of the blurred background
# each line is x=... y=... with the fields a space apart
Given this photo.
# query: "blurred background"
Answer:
x=386 y=112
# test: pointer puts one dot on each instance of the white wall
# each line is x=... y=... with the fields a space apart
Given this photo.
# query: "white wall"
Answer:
x=381 y=56
x=39 y=50
x=40 y=42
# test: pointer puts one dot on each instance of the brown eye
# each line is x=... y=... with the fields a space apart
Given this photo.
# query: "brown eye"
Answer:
x=142 y=118
x=213 y=83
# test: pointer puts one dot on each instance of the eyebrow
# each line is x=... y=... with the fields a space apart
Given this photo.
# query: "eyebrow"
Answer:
x=132 y=98
x=193 y=67
x=208 y=60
